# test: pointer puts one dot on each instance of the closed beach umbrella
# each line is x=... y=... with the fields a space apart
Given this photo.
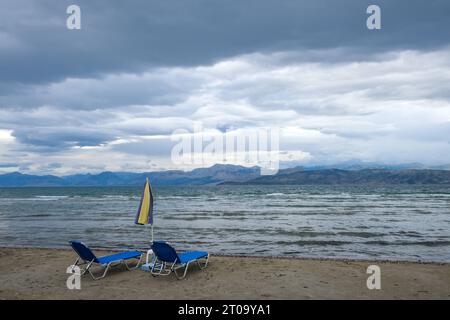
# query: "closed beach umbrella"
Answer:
x=145 y=212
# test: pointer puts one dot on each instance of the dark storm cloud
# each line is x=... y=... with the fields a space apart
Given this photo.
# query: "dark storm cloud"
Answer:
x=127 y=36
x=8 y=165
x=160 y=147
x=109 y=95
x=57 y=139
x=99 y=93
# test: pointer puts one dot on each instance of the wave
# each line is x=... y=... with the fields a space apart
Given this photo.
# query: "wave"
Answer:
x=360 y=234
x=38 y=215
x=314 y=242
x=49 y=198
x=35 y=198
x=409 y=243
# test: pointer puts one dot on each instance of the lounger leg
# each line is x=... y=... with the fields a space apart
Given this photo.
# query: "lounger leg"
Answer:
x=103 y=275
x=136 y=266
x=152 y=270
x=185 y=271
x=78 y=264
x=161 y=269
x=83 y=271
x=205 y=264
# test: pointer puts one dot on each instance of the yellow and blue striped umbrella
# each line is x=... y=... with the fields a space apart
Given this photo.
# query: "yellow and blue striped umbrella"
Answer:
x=145 y=212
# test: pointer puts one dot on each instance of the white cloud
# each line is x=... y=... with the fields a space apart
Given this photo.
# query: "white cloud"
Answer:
x=6 y=136
x=391 y=108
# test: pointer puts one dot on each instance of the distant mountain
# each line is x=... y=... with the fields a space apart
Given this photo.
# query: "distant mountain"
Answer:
x=360 y=165
x=231 y=174
x=370 y=165
x=300 y=176
x=203 y=176
x=16 y=179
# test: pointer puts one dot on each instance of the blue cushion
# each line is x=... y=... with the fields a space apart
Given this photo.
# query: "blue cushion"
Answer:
x=83 y=251
x=165 y=252
x=192 y=255
x=119 y=256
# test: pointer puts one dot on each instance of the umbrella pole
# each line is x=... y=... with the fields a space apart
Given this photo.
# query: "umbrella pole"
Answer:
x=152 y=233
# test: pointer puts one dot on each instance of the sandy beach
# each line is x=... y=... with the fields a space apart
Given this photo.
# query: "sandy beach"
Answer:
x=29 y=273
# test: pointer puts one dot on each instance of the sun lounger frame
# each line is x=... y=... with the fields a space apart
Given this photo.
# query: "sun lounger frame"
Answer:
x=106 y=266
x=81 y=262
x=163 y=268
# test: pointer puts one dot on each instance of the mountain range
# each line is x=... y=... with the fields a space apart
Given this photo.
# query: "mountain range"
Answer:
x=348 y=174
x=202 y=176
x=299 y=176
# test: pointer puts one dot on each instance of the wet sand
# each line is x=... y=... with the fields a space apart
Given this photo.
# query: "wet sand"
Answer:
x=30 y=273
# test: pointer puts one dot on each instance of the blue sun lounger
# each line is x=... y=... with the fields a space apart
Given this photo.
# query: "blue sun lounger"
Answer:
x=88 y=258
x=168 y=261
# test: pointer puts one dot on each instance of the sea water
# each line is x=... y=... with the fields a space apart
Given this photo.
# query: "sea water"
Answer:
x=393 y=223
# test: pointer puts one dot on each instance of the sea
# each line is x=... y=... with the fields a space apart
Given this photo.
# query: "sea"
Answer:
x=399 y=223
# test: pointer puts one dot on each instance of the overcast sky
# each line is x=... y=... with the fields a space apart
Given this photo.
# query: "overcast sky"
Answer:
x=109 y=96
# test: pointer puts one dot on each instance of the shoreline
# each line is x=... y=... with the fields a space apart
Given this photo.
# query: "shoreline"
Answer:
x=40 y=273
x=337 y=259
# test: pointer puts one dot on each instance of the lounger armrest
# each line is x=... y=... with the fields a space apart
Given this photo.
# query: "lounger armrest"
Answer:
x=149 y=253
